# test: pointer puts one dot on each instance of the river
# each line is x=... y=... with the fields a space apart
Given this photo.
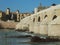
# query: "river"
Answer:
x=19 y=41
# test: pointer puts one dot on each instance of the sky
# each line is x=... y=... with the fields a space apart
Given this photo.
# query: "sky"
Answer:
x=25 y=5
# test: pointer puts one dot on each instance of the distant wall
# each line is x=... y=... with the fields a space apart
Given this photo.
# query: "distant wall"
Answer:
x=9 y=25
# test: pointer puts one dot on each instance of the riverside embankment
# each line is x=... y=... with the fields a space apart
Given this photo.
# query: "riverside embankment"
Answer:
x=7 y=24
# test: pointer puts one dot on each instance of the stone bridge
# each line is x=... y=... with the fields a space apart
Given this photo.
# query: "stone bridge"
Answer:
x=45 y=22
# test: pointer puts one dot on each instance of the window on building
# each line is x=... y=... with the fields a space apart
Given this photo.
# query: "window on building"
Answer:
x=38 y=19
x=34 y=20
x=54 y=17
x=45 y=16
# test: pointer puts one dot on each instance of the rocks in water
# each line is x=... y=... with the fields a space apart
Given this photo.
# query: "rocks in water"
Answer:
x=28 y=36
x=38 y=39
x=52 y=39
x=21 y=30
x=31 y=32
x=35 y=39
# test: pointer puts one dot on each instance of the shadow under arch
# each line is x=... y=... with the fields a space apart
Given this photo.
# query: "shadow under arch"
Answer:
x=54 y=17
x=39 y=19
x=45 y=16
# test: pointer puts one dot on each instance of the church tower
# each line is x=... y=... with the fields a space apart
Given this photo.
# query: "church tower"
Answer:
x=8 y=11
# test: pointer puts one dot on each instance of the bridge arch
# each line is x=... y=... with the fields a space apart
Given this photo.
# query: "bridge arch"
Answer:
x=33 y=19
x=45 y=16
x=54 y=17
x=39 y=19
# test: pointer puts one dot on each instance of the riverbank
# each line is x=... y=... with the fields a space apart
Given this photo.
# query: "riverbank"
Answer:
x=7 y=24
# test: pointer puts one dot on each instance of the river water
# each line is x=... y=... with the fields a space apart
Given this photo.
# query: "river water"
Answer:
x=19 y=41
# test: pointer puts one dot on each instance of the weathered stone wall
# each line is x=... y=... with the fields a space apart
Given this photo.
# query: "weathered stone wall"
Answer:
x=41 y=28
x=54 y=30
x=8 y=25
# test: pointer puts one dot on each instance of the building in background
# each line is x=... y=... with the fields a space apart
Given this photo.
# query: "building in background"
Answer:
x=0 y=14
x=12 y=16
x=41 y=7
